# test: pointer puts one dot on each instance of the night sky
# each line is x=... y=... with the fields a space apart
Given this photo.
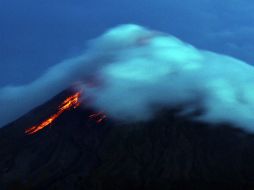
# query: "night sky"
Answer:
x=36 y=34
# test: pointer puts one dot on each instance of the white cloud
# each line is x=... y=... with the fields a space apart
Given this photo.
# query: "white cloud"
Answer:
x=142 y=70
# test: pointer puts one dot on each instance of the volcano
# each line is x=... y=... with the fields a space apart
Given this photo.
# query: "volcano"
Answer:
x=77 y=152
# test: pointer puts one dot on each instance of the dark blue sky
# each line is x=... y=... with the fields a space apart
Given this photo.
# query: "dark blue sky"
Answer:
x=35 y=34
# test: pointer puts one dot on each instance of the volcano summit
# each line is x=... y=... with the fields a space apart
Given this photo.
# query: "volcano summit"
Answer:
x=139 y=109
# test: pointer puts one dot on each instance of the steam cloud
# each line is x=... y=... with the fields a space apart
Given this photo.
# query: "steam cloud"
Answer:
x=136 y=70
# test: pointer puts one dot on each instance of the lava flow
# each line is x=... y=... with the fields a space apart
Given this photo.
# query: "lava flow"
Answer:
x=68 y=103
x=99 y=117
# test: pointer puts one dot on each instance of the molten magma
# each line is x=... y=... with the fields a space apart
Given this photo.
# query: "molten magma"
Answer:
x=99 y=117
x=68 y=103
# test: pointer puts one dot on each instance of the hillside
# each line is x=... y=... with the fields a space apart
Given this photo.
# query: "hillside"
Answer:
x=168 y=152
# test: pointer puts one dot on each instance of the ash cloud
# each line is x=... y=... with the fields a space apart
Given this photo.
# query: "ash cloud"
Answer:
x=140 y=70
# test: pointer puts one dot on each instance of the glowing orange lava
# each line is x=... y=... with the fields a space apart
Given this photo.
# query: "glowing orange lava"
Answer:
x=70 y=102
x=99 y=117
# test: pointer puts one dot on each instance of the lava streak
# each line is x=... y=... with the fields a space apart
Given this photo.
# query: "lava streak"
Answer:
x=68 y=103
x=99 y=117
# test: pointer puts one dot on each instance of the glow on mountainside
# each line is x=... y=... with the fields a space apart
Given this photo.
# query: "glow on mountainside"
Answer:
x=69 y=103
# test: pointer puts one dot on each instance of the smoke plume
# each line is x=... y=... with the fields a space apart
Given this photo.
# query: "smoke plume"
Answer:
x=130 y=71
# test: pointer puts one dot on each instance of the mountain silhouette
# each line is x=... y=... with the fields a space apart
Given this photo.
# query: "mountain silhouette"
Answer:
x=168 y=152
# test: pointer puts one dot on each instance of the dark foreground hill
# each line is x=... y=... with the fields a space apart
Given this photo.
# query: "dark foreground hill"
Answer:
x=168 y=152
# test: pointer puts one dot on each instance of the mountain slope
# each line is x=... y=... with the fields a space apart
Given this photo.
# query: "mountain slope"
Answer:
x=168 y=152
